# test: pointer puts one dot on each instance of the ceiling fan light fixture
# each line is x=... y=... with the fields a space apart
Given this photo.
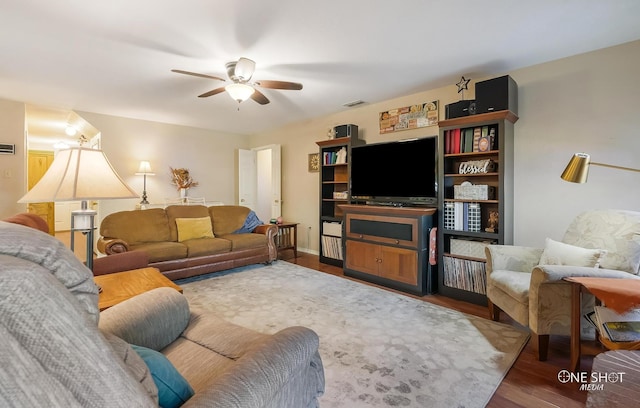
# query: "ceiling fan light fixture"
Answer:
x=243 y=69
x=239 y=92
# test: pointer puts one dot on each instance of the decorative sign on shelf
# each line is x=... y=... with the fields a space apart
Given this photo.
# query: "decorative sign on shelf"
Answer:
x=477 y=166
x=409 y=117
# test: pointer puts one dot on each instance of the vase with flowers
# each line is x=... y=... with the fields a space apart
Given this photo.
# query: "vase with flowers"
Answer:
x=182 y=180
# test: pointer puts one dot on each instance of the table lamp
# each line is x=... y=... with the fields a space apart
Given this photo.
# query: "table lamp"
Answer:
x=80 y=174
x=577 y=170
x=144 y=170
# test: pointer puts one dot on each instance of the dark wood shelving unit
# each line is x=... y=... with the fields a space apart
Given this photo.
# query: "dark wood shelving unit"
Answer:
x=334 y=178
x=461 y=276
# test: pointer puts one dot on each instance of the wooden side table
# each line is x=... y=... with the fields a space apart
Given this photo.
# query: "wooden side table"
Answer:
x=287 y=237
x=629 y=294
x=120 y=286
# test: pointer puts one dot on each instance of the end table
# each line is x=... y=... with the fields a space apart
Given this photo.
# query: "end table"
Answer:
x=120 y=286
x=287 y=237
x=619 y=292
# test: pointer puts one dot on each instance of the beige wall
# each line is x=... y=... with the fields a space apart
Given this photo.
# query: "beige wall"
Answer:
x=300 y=188
x=13 y=183
x=583 y=103
x=211 y=158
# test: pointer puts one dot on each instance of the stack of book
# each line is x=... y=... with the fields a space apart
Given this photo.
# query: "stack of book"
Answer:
x=614 y=327
x=335 y=157
x=465 y=274
x=462 y=216
x=468 y=140
x=332 y=240
x=332 y=247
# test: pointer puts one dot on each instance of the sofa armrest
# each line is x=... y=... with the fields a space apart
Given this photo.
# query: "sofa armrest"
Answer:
x=152 y=319
x=52 y=353
x=273 y=364
x=110 y=246
x=30 y=220
x=550 y=296
x=542 y=274
x=270 y=231
x=125 y=261
x=511 y=258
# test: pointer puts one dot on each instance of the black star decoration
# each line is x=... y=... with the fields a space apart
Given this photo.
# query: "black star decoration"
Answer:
x=463 y=84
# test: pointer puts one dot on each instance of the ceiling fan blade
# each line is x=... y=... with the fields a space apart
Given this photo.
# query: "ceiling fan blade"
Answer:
x=244 y=69
x=179 y=71
x=259 y=97
x=211 y=93
x=280 y=85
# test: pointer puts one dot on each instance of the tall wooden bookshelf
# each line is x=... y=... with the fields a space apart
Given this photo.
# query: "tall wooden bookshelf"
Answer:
x=464 y=227
x=335 y=181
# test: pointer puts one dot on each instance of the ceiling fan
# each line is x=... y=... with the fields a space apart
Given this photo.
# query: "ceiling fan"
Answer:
x=241 y=88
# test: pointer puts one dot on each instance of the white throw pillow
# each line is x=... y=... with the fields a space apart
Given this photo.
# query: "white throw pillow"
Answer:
x=559 y=253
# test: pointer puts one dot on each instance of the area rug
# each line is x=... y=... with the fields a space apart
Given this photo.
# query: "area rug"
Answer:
x=379 y=348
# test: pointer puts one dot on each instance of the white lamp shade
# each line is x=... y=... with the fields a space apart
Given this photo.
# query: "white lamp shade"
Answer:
x=79 y=174
x=145 y=168
x=239 y=92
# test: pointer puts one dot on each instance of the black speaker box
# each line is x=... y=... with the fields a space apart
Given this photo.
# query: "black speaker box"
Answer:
x=497 y=94
x=459 y=109
x=346 y=131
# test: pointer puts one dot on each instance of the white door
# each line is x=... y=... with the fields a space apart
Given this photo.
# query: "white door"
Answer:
x=247 y=177
x=260 y=181
x=275 y=194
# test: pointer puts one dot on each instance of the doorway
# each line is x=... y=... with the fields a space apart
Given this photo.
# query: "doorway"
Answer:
x=38 y=162
x=259 y=181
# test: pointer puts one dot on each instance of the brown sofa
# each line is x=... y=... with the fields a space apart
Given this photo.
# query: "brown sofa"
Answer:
x=156 y=232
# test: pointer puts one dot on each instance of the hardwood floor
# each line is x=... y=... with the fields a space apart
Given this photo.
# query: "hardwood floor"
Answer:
x=529 y=383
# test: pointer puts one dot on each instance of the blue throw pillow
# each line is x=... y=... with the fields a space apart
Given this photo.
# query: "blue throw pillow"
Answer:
x=173 y=389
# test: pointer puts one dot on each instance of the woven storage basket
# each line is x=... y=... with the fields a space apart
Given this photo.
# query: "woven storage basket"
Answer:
x=473 y=192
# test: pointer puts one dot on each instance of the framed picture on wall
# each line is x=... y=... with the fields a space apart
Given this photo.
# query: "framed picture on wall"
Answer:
x=409 y=117
x=314 y=162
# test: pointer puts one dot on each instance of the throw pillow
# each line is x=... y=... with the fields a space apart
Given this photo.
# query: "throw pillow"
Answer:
x=173 y=389
x=559 y=253
x=192 y=228
x=134 y=363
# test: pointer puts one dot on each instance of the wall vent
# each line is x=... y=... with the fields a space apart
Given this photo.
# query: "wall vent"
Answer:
x=354 y=103
x=7 y=148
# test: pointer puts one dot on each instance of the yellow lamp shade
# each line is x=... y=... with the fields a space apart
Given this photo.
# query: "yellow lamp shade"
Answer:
x=577 y=170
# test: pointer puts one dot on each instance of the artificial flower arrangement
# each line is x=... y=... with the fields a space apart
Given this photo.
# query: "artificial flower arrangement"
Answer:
x=182 y=179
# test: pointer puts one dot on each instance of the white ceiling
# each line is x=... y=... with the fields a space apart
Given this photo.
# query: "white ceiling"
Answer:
x=115 y=57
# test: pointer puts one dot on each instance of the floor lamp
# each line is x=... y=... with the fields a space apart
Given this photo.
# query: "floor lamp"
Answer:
x=80 y=174
x=577 y=171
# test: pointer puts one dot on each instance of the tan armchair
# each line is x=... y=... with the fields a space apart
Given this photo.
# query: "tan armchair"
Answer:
x=527 y=283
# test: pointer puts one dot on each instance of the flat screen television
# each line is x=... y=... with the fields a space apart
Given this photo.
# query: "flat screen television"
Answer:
x=396 y=173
